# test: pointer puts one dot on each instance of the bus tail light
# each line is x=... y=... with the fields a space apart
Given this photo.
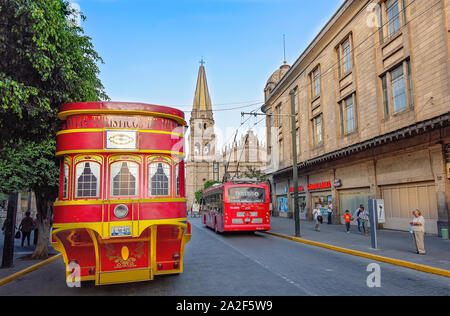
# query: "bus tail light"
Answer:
x=176 y=256
x=176 y=265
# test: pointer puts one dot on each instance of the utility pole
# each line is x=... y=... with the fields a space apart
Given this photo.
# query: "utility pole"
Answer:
x=294 y=166
x=294 y=160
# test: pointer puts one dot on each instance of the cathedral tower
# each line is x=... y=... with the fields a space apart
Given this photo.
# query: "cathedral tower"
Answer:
x=201 y=164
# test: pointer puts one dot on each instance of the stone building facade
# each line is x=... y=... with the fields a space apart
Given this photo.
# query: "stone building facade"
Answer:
x=372 y=111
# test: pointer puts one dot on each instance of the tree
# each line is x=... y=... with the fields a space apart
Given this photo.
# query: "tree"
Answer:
x=255 y=173
x=45 y=61
x=206 y=185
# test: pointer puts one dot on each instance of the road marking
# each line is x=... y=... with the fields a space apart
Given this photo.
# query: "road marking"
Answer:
x=29 y=269
x=398 y=262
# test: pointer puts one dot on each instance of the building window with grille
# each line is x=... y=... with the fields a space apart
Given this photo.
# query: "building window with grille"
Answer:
x=317 y=130
x=348 y=114
x=87 y=179
x=393 y=17
x=280 y=114
x=281 y=150
x=315 y=82
x=124 y=178
x=346 y=51
x=398 y=91
x=159 y=179
x=295 y=93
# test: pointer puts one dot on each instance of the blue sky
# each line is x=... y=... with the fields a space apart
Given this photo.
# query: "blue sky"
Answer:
x=152 y=48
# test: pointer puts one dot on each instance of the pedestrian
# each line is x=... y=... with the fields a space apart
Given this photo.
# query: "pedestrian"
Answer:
x=418 y=231
x=348 y=218
x=317 y=218
x=358 y=219
x=330 y=212
x=364 y=219
x=26 y=227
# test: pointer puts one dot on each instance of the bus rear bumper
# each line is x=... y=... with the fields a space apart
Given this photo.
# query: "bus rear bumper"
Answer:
x=247 y=227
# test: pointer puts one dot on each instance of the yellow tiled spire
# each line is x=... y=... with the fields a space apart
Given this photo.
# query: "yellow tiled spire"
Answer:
x=202 y=100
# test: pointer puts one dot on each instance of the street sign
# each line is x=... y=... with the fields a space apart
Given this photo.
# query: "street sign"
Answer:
x=381 y=219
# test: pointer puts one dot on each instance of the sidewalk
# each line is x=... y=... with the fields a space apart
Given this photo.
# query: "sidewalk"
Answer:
x=21 y=261
x=392 y=244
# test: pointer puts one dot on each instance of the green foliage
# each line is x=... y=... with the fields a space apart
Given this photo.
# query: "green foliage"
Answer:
x=27 y=166
x=199 y=195
x=45 y=61
x=206 y=185
x=255 y=173
x=209 y=184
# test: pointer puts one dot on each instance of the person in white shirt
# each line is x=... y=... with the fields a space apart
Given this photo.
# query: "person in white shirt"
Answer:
x=364 y=217
x=418 y=229
x=316 y=213
x=330 y=212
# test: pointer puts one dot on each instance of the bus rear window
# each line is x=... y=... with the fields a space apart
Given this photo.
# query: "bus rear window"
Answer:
x=246 y=194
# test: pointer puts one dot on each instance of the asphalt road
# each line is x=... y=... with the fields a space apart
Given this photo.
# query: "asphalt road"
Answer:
x=247 y=264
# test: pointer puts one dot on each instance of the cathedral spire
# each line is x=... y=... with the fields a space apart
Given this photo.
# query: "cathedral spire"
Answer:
x=202 y=101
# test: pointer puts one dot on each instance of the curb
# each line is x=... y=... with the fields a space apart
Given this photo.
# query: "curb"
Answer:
x=398 y=262
x=29 y=269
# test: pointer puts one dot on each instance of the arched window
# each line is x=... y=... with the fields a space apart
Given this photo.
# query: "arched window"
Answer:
x=159 y=179
x=197 y=149
x=124 y=178
x=207 y=149
x=87 y=179
x=66 y=182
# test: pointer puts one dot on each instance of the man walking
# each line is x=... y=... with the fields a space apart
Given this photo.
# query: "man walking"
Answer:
x=26 y=227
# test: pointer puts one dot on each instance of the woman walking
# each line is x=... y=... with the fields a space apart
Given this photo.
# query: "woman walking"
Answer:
x=317 y=218
x=418 y=231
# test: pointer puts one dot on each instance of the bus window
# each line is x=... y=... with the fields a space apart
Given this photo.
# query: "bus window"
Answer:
x=159 y=179
x=124 y=178
x=246 y=194
x=87 y=179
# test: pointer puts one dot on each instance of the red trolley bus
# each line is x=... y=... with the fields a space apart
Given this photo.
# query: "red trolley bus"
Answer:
x=240 y=205
x=121 y=212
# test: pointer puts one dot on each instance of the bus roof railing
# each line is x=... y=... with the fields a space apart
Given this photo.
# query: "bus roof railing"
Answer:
x=245 y=180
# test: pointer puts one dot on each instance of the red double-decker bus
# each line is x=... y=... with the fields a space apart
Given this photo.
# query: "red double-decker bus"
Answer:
x=237 y=206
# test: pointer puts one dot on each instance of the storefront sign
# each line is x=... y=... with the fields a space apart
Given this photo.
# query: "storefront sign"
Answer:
x=318 y=186
x=300 y=189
